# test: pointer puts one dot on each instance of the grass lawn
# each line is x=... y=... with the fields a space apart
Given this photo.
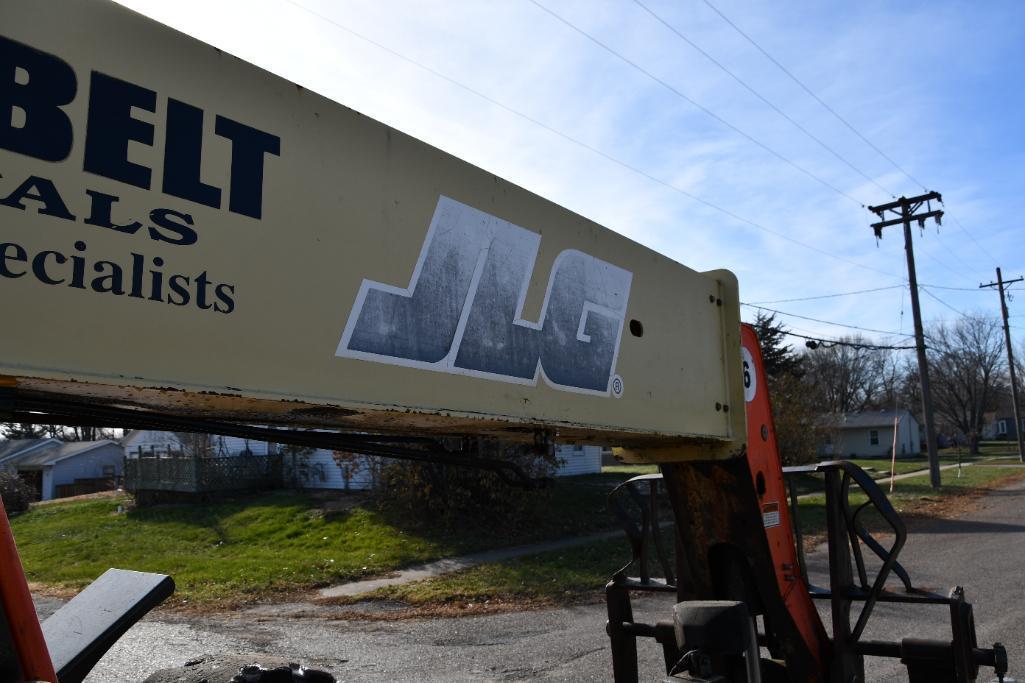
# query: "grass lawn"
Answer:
x=580 y=573
x=231 y=552
x=628 y=471
x=554 y=576
x=244 y=549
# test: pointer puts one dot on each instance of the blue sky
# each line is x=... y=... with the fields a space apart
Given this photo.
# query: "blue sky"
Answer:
x=938 y=86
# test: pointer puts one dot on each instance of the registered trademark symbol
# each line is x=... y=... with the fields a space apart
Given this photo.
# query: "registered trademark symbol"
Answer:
x=617 y=386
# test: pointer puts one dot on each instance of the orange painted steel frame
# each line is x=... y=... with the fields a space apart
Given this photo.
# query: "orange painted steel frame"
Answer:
x=764 y=459
x=33 y=656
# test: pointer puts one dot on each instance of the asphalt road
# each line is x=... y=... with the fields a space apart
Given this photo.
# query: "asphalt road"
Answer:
x=985 y=552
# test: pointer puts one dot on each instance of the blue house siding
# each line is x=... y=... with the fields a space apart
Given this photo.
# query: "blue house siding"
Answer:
x=103 y=462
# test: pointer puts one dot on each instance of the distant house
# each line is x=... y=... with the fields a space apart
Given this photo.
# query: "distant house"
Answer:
x=576 y=459
x=323 y=468
x=152 y=443
x=1000 y=427
x=57 y=469
x=869 y=434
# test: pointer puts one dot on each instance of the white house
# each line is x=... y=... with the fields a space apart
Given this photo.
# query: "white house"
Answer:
x=576 y=459
x=56 y=468
x=325 y=469
x=151 y=443
x=869 y=434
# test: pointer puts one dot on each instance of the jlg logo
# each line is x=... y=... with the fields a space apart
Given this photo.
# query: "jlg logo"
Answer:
x=462 y=311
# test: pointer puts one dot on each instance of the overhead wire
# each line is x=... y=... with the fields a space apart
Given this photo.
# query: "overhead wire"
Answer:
x=584 y=145
x=972 y=237
x=943 y=243
x=676 y=31
x=718 y=118
x=842 y=342
x=827 y=296
x=764 y=99
x=842 y=120
x=668 y=86
x=942 y=264
x=818 y=99
x=922 y=288
x=857 y=345
x=824 y=322
x=953 y=289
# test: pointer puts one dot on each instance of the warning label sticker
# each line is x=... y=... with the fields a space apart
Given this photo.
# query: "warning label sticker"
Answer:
x=770 y=514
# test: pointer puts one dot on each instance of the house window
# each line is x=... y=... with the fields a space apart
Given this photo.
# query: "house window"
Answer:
x=108 y=470
x=1002 y=427
x=873 y=437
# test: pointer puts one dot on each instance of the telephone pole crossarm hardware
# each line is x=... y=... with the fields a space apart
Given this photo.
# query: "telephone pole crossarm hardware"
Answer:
x=1001 y=284
x=906 y=210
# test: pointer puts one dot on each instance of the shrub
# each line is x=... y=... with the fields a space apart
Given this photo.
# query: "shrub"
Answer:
x=451 y=495
x=16 y=493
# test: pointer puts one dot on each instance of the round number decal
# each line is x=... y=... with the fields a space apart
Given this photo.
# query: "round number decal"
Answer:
x=750 y=376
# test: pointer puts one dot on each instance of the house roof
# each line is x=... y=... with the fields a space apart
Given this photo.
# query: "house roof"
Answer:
x=55 y=452
x=11 y=449
x=880 y=418
x=135 y=436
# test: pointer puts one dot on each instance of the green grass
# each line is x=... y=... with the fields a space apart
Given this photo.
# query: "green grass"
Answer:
x=911 y=491
x=628 y=471
x=555 y=575
x=581 y=572
x=243 y=549
x=908 y=495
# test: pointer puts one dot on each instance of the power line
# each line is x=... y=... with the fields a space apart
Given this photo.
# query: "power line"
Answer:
x=842 y=120
x=953 y=289
x=940 y=263
x=818 y=99
x=941 y=301
x=841 y=342
x=827 y=296
x=949 y=250
x=856 y=345
x=977 y=242
x=757 y=94
x=584 y=145
x=697 y=105
x=825 y=322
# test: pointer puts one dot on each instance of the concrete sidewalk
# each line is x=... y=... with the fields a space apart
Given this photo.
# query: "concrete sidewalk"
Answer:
x=454 y=564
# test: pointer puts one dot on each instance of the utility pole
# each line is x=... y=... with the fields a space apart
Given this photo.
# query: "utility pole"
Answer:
x=906 y=211
x=999 y=284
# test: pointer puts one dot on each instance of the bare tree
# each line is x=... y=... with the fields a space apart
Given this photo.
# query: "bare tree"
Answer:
x=848 y=378
x=968 y=369
x=196 y=445
x=16 y=430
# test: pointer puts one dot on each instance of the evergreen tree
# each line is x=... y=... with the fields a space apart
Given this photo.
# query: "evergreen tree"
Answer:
x=778 y=356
